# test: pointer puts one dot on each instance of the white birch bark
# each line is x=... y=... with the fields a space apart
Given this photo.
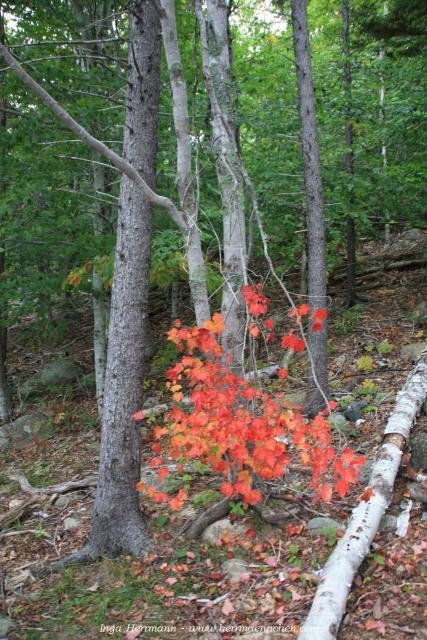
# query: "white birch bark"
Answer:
x=329 y=604
x=184 y=172
x=214 y=35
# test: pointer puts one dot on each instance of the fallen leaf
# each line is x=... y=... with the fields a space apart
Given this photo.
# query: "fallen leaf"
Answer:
x=227 y=608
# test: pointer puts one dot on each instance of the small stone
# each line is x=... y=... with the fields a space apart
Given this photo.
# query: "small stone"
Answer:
x=62 y=501
x=212 y=534
x=418 y=491
x=418 y=449
x=235 y=569
x=323 y=525
x=338 y=422
x=16 y=502
x=71 y=523
x=388 y=523
x=6 y=625
x=354 y=411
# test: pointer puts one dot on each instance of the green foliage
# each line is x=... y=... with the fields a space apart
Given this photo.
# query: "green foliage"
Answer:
x=205 y=498
x=348 y=320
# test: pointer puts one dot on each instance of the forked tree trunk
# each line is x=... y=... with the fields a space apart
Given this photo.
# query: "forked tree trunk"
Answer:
x=4 y=387
x=318 y=389
x=117 y=522
x=351 y=297
x=184 y=171
x=330 y=600
x=214 y=34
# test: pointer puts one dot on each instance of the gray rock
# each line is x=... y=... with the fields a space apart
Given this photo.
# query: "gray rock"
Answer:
x=420 y=314
x=388 y=523
x=354 y=411
x=61 y=502
x=418 y=491
x=235 y=569
x=212 y=533
x=412 y=352
x=324 y=525
x=295 y=398
x=57 y=373
x=6 y=625
x=26 y=430
x=338 y=422
x=88 y=382
x=418 y=449
x=71 y=523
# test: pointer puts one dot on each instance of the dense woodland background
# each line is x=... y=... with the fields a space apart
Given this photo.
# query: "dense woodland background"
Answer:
x=227 y=134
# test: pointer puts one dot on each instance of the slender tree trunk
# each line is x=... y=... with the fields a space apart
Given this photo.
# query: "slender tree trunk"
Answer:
x=184 y=172
x=351 y=297
x=100 y=318
x=4 y=388
x=117 y=522
x=318 y=387
x=214 y=34
x=387 y=240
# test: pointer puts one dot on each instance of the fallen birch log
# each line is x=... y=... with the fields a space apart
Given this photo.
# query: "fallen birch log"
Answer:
x=330 y=600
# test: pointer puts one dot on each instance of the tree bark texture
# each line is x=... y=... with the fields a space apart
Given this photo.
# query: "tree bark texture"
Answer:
x=5 y=406
x=214 y=34
x=328 y=607
x=184 y=172
x=117 y=522
x=318 y=387
x=351 y=297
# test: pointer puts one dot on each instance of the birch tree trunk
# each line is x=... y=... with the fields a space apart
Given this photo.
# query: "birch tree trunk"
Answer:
x=184 y=172
x=351 y=297
x=214 y=34
x=330 y=600
x=117 y=522
x=4 y=387
x=318 y=388
x=382 y=54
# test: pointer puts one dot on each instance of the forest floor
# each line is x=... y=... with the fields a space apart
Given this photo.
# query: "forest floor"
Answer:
x=183 y=583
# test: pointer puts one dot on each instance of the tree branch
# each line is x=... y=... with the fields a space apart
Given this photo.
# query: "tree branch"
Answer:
x=120 y=163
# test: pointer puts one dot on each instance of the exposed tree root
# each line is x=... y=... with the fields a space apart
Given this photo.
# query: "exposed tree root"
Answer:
x=62 y=487
x=331 y=596
x=212 y=514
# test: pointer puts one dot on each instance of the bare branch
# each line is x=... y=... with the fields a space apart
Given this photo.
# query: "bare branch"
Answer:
x=120 y=163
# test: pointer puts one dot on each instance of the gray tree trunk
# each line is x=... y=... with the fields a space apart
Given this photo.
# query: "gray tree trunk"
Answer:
x=351 y=297
x=318 y=387
x=184 y=172
x=117 y=522
x=214 y=34
x=4 y=387
x=100 y=317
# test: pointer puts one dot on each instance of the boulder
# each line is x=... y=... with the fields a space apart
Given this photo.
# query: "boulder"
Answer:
x=71 y=523
x=235 y=569
x=324 y=525
x=412 y=352
x=59 y=372
x=338 y=422
x=354 y=411
x=418 y=449
x=6 y=625
x=419 y=314
x=88 y=382
x=26 y=430
x=295 y=398
x=212 y=534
